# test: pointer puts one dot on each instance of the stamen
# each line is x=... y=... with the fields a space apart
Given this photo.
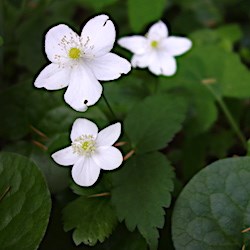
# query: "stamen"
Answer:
x=84 y=145
x=154 y=44
x=74 y=53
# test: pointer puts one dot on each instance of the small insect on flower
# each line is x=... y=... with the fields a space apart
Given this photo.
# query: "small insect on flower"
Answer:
x=80 y=61
x=156 y=50
x=90 y=151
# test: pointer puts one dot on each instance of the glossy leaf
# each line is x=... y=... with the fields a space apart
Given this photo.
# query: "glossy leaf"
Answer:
x=213 y=209
x=24 y=204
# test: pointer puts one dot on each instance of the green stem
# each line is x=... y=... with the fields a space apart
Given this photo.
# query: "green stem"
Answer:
x=228 y=115
x=109 y=107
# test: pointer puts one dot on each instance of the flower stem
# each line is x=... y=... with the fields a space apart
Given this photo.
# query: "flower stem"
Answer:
x=228 y=115
x=109 y=107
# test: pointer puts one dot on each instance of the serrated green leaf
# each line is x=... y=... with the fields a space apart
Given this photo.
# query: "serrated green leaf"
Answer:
x=202 y=110
x=141 y=191
x=93 y=219
x=143 y=12
x=154 y=122
x=24 y=204
x=213 y=208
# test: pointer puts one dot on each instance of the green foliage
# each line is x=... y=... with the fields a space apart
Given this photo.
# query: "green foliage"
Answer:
x=24 y=203
x=93 y=219
x=1 y=41
x=213 y=208
x=219 y=68
x=178 y=115
x=141 y=191
x=143 y=12
x=152 y=123
x=97 y=5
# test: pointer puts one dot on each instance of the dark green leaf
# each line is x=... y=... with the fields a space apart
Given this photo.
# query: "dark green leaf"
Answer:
x=1 y=41
x=154 y=122
x=141 y=191
x=93 y=219
x=57 y=177
x=213 y=208
x=24 y=204
x=221 y=69
x=143 y=12
x=97 y=5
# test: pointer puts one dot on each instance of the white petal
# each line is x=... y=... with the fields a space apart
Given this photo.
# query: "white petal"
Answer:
x=85 y=172
x=82 y=126
x=65 y=157
x=108 y=158
x=53 y=77
x=141 y=61
x=163 y=64
x=157 y=31
x=135 y=44
x=99 y=34
x=109 y=67
x=58 y=42
x=109 y=135
x=177 y=45
x=83 y=90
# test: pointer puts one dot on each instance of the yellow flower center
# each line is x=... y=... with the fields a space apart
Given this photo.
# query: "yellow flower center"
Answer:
x=74 y=53
x=88 y=146
x=84 y=145
x=154 y=44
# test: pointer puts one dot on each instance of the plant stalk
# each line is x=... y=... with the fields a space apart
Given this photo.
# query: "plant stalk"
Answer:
x=228 y=115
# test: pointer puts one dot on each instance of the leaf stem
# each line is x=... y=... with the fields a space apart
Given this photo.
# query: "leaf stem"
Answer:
x=228 y=115
x=109 y=107
x=5 y=193
x=99 y=195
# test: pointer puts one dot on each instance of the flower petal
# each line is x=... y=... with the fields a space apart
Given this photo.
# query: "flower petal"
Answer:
x=82 y=126
x=163 y=64
x=141 y=61
x=83 y=90
x=58 y=41
x=157 y=31
x=85 y=172
x=177 y=45
x=99 y=34
x=109 y=135
x=136 y=44
x=53 y=77
x=65 y=157
x=108 y=158
x=109 y=67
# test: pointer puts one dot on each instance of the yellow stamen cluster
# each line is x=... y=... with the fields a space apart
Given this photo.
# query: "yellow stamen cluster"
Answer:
x=154 y=44
x=84 y=145
x=74 y=53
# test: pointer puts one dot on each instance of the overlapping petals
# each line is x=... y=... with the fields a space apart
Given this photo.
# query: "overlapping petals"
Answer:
x=156 y=50
x=90 y=151
x=80 y=61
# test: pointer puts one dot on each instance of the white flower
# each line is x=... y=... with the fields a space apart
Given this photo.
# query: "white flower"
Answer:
x=90 y=151
x=80 y=61
x=156 y=50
